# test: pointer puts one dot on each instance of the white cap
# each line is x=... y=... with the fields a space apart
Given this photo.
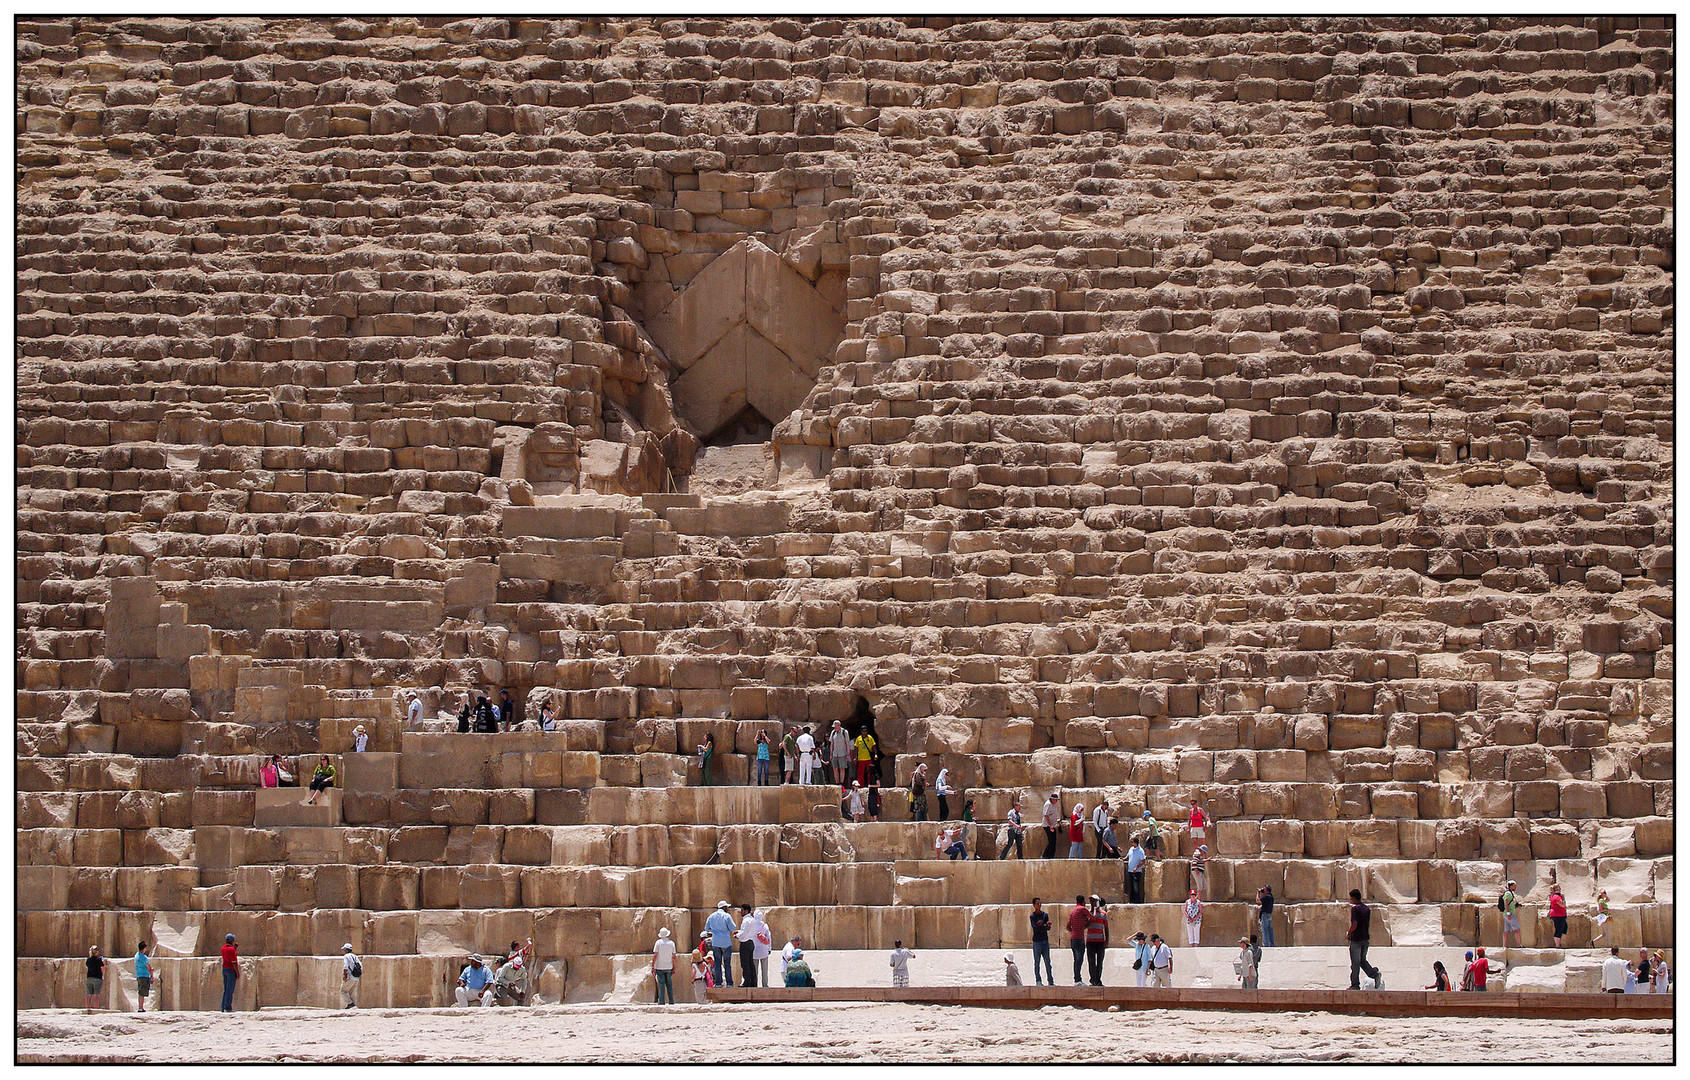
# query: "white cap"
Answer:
x=721 y=903
x=347 y=947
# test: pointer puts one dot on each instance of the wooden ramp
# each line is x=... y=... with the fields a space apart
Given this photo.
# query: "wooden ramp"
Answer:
x=1353 y=1002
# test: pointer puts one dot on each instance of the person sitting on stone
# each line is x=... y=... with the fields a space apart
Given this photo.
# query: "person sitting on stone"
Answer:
x=509 y=982
x=267 y=775
x=321 y=780
x=798 y=971
x=475 y=981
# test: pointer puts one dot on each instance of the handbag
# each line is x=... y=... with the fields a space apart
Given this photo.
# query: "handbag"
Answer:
x=1138 y=965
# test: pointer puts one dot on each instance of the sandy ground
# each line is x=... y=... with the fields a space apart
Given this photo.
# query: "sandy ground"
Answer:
x=820 y=1033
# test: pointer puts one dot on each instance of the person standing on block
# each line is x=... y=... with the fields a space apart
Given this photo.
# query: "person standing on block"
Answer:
x=942 y=790
x=1015 y=832
x=1614 y=972
x=1602 y=915
x=1011 y=973
x=1053 y=825
x=1141 y=957
x=1161 y=962
x=1097 y=939
x=720 y=924
x=864 y=743
x=1152 y=837
x=918 y=794
x=1361 y=919
x=789 y=756
x=762 y=759
x=143 y=976
x=839 y=750
x=806 y=756
x=1245 y=965
x=900 y=961
x=1134 y=883
x=1040 y=921
x=351 y=970
x=1557 y=914
x=1078 y=920
x=663 y=967
x=761 y=946
x=1099 y=826
x=1199 y=826
x=1077 y=832
x=747 y=936
x=96 y=978
x=1264 y=907
x=1510 y=904
x=1193 y=919
x=360 y=740
x=231 y=972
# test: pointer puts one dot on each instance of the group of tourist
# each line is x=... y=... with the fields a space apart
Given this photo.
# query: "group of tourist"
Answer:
x=840 y=759
x=712 y=961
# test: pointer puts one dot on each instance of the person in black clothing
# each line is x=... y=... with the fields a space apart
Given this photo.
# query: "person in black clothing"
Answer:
x=1264 y=901
x=507 y=711
x=484 y=722
x=464 y=716
x=1361 y=918
x=1040 y=920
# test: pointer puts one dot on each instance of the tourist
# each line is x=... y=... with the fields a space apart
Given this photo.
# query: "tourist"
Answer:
x=762 y=758
x=1011 y=973
x=548 y=719
x=968 y=812
x=1100 y=823
x=1110 y=847
x=508 y=981
x=1245 y=965
x=1256 y=951
x=465 y=717
x=1141 y=957
x=1161 y=962
x=1199 y=870
x=839 y=750
x=1193 y=918
x=485 y=721
x=231 y=972
x=1642 y=982
x=1440 y=977
x=1264 y=913
x=793 y=947
x=1199 y=823
x=1097 y=938
x=1602 y=915
x=413 y=710
x=475 y=981
x=859 y=801
x=360 y=740
x=143 y=976
x=268 y=777
x=703 y=974
x=1615 y=972
x=1135 y=873
x=1152 y=838
x=706 y=755
x=96 y=978
x=1040 y=921
x=721 y=927
x=761 y=946
x=864 y=743
x=351 y=970
x=663 y=967
x=789 y=755
x=798 y=971
x=1557 y=914
x=1480 y=971
x=1077 y=832
x=1662 y=978
x=1078 y=919
x=1053 y=825
x=806 y=745
x=1510 y=904
x=507 y=710
x=1013 y=831
x=918 y=794
x=942 y=790
x=516 y=951
x=1361 y=919
x=874 y=797
x=900 y=964
x=321 y=780
x=951 y=845
x=747 y=936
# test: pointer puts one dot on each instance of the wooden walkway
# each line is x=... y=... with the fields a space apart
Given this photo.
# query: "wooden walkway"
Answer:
x=1354 y=1002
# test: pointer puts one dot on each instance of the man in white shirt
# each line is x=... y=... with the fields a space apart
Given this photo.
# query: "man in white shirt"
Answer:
x=1099 y=824
x=350 y=971
x=1614 y=971
x=806 y=756
x=793 y=946
x=663 y=967
x=1053 y=825
x=413 y=714
x=747 y=936
x=1161 y=962
x=901 y=964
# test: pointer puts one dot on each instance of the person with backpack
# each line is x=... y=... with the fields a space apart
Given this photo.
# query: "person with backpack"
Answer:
x=351 y=970
x=1509 y=904
x=1152 y=838
x=864 y=743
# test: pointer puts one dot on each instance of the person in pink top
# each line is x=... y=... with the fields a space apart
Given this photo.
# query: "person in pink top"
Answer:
x=1558 y=913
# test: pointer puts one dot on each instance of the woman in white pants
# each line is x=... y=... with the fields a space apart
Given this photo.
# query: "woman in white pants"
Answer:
x=1193 y=918
x=1141 y=957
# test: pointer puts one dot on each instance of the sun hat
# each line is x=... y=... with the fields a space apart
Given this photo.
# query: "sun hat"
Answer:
x=663 y=933
x=476 y=957
x=347 y=947
x=721 y=903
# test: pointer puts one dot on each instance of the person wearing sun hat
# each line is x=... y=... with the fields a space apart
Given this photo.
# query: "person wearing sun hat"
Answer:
x=351 y=970
x=722 y=931
x=360 y=739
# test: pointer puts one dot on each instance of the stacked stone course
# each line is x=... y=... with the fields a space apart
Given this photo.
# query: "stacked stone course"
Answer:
x=1275 y=413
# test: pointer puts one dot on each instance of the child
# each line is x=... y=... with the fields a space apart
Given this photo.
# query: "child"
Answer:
x=1601 y=914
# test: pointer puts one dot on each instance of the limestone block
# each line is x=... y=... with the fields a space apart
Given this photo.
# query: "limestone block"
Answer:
x=1305 y=881
x=1282 y=836
x=1011 y=735
x=284 y=806
x=369 y=772
x=1583 y=799
x=1372 y=839
x=43 y=888
x=390 y=888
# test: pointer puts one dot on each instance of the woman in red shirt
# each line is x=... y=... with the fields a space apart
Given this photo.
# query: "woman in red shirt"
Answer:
x=1077 y=833
x=231 y=972
x=1558 y=913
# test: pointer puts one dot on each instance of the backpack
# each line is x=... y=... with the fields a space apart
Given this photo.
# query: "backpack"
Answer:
x=357 y=969
x=1502 y=902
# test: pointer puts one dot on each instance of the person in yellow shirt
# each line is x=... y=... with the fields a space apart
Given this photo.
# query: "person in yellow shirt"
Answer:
x=864 y=743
